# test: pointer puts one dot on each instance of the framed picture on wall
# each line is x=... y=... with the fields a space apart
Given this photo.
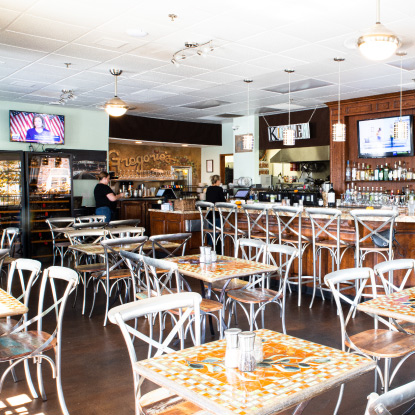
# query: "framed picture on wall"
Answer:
x=244 y=143
x=209 y=166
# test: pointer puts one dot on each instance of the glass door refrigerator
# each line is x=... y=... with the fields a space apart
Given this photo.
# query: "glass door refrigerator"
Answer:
x=12 y=196
x=49 y=190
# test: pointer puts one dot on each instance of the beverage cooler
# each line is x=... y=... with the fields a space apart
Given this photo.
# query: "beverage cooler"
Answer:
x=33 y=188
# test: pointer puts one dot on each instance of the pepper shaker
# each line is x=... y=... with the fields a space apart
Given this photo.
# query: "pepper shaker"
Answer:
x=232 y=351
x=247 y=362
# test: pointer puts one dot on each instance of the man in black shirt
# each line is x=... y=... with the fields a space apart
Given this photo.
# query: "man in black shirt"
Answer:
x=105 y=198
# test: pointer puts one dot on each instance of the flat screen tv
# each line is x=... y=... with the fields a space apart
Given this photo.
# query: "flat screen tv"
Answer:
x=376 y=138
x=33 y=127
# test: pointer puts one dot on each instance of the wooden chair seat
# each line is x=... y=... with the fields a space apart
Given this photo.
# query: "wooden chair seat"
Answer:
x=330 y=243
x=143 y=294
x=163 y=402
x=100 y=266
x=293 y=239
x=114 y=274
x=62 y=244
x=383 y=343
x=8 y=260
x=235 y=284
x=407 y=326
x=21 y=344
x=368 y=246
x=206 y=306
x=6 y=327
x=252 y=295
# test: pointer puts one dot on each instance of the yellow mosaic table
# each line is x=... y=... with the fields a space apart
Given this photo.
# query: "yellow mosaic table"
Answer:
x=10 y=306
x=399 y=305
x=293 y=371
x=223 y=269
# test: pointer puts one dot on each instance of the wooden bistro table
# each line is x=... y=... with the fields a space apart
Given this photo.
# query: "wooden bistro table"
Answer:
x=293 y=372
x=10 y=306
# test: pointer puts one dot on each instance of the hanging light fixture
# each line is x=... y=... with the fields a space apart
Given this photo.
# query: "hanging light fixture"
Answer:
x=339 y=129
x=400 y=128
x=248 y=139
x=289 y=134
x=116 y=106
x=379 y=42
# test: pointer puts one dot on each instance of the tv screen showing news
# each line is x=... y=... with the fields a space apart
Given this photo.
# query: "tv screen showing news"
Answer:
x=33 y=127
x=376 y=138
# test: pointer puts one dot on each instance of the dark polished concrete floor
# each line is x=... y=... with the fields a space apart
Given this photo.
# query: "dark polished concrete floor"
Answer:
x=97 y=376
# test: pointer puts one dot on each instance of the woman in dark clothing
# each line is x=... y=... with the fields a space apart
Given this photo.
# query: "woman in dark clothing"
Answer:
x=214 y=193
x=105 y=198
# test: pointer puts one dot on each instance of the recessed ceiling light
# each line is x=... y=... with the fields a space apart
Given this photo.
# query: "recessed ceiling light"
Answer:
x=138 y=142
x=137 y=32
x=185 y=145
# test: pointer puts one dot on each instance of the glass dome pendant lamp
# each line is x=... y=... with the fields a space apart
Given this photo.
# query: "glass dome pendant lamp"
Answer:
x=288 y=136
x=339 y=129
x=400 y=128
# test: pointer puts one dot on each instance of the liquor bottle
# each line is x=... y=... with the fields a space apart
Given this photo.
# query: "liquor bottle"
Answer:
x=358 y=172
x=395 y=172
x=362 y=172
x=359 y=196
x=348 y=194
x=371 y=196
x=348 y=172
x=409 y=175
x=377 y=172
x=331 y=197
x=381 y=171
x=403 y=174
x=354 y=171
x=390 y=175
x=399 y=174
x=386 y=172
x=367 y=173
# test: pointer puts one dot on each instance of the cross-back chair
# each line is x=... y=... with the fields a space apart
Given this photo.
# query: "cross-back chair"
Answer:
x=375 y=343
x=116 y=274
x=160 y=401
x=8 y=241
x=169 y=245
x=89 y=225
x=57 y=227
x=126 y=231
x=90 y=218
x=208 y=223
x=123 y=222
x=23 y=344
x=256 y=215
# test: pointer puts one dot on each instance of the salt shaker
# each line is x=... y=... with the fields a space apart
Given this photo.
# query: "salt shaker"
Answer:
x=232 y=351
x=258 y=350
x=247 y=361
x=208 y=258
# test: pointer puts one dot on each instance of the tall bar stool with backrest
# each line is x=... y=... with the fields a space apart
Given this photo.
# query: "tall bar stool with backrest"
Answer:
x=90 y=218
x=160 y=401
x=382 y=232
x=228 y=214
x=376 y=343
x=256 y=215
x=57 y=227
x=8 y=241
x=208 y=222
x=290 y=233
x=324 y=237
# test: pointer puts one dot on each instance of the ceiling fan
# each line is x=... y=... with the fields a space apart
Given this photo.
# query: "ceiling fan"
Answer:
x=378 y=42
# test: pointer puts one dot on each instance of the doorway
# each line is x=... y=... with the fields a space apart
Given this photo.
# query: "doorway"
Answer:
x=226 y=168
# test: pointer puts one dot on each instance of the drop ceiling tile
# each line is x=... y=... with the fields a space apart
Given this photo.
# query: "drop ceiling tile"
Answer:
x=22 y=54
x=238 y=52
x=86 y=52
x=30 y=42
x=384 y=81
x=202 y=105
x=218 y=91
x=138 y=83
x=19 y=6
x=154 y=50
x=130 y=65
x=9 y=95
x=177 y=100
x=158 y=77
x=182 y=70
x=151 y=95
x=7 y=16
x=246 y=70
x=77 y=64
x=193 y=84
x=368 y=72
x=219 y=77
x=23 y=88
x=175 y=89
x=47 y=28
x=407 y=64
x=49 y=73
x=210 y=62
x=278 y=62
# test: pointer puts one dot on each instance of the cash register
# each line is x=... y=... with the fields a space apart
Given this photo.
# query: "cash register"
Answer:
x=242 y=194
x=166 y=194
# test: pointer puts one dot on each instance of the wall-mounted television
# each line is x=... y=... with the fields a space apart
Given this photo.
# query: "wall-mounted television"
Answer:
x=376 y=138
x=38 y=128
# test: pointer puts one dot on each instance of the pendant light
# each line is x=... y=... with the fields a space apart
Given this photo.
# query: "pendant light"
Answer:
x=289 y=134
x=116 y=106
x=378 y=43
x=400 y=128
x=339 y=129
x=248 y=139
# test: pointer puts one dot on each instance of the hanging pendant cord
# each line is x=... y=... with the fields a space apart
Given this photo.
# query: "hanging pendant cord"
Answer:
x=400 y=111
x=338 y=109
x=289 y=99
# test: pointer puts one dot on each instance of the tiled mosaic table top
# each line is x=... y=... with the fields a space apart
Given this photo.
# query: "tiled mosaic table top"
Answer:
x=399 y=305
x=223 y=269
x=293 y=370
x=9 y=306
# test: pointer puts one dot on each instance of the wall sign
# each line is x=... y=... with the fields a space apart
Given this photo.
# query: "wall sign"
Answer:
x=302 y=131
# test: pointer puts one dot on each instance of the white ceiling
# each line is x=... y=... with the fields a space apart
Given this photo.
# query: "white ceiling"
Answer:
x=251 y=39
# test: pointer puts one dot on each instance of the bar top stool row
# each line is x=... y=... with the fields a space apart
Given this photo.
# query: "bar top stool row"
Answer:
x=283 y=225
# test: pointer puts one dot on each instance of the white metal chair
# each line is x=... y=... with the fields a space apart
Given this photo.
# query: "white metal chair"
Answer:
x=257 y=291
x=125 y=231
x=256 y=214
x=8 y=241
x=208 y=226
x=59 y=247
x=325 y=225
x=289 y=220
x=124 y=222
x=228 y=214
x=23 y=344
x=383 y=231
x=169 y=245
x=115 y=275
x=159 y=401
x=376 y=343
x=90 y=218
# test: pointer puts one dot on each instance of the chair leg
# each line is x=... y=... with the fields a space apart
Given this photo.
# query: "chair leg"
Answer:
x=59 y=386
x=251 y=317
x=40 y=379
x=93 y=299
x=339 y=400
x=29 y=380
x=84 y=299
x=386 y=375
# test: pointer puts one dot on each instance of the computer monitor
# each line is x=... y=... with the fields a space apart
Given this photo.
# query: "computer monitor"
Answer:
x=242 y=194
x=166 y=194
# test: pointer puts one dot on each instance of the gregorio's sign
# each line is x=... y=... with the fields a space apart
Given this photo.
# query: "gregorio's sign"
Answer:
x=302 y=131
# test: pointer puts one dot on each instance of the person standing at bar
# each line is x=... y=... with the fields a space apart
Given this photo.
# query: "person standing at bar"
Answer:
x=214 y=194
x=105 y=198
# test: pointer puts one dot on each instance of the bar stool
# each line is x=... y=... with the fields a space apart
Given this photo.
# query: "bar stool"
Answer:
x=382 y=233
x=207 y=221
x=325 y=238
x=255 y=215
x=228 y=214
x=289 y=233
x=57 y=227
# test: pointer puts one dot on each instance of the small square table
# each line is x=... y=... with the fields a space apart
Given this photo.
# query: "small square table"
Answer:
x=399 y=305
x=10 y=306
x=293 y=371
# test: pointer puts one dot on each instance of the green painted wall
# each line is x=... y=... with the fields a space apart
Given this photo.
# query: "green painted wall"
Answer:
x=84 y=130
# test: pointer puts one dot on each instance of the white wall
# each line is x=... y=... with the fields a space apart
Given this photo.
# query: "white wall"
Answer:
x=84 y=130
